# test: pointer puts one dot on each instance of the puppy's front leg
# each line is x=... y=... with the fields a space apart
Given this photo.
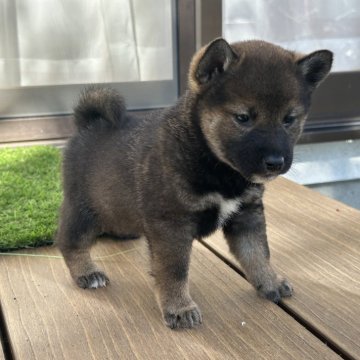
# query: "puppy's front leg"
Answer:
x=246 y=236
x=170 y=255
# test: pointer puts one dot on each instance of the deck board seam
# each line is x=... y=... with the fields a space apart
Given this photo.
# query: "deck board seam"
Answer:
x=309 y=327
x=4 y=338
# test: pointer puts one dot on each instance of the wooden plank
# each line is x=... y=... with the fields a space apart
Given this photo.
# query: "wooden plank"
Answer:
x=315 y=242
x=48 y=317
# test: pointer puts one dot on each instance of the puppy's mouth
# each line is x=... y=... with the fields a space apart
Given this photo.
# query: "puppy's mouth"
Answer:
x=262 y=172
x=262 y=179
x=266 y=176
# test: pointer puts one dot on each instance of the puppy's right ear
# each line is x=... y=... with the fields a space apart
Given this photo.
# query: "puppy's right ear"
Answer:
x=210 y=62
x=315 y=67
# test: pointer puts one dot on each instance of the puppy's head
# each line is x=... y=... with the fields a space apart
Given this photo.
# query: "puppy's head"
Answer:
x=253 y=99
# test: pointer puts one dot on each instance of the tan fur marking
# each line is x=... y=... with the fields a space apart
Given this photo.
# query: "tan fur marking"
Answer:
x=193 y=83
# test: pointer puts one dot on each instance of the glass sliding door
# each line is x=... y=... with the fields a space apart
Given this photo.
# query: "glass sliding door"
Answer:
x=50 y=50
x=302 y=26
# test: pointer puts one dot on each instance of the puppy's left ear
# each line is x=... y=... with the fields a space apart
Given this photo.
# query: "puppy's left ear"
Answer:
x=315 y=67
x=209 y=63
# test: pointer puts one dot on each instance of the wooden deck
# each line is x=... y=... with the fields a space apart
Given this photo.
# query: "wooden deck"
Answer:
x=315 y=241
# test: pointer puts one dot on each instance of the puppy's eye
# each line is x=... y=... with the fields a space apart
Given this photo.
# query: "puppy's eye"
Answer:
x=289 y=120
x=242 y=118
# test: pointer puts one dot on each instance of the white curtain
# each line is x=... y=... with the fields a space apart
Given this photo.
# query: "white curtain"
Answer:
x=53 y=42
x=301 y=25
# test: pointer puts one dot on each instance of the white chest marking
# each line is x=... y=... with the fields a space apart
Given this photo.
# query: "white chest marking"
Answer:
x=227 y=208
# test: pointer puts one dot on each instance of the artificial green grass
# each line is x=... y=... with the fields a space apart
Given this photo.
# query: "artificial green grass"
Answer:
x=30 y=196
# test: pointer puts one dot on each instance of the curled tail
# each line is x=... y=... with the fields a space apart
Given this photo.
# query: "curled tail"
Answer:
x=98 y=104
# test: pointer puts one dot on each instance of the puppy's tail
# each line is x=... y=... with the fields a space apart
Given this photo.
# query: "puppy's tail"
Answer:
x=97 y=105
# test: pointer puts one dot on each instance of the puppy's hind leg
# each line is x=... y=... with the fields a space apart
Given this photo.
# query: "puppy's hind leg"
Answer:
x=77 y=232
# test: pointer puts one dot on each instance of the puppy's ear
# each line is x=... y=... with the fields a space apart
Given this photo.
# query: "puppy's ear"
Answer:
x=210 y=62
x=316 y=66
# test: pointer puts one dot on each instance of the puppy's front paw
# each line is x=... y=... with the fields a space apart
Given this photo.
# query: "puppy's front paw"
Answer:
x=186 y=317
x=285 y=288
x=94 y=280
x=277 y=290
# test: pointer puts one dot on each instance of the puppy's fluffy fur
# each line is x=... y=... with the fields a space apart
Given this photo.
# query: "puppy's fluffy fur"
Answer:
x=183 y=172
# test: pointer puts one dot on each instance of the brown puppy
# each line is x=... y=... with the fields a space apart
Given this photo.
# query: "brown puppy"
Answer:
x=185 y=171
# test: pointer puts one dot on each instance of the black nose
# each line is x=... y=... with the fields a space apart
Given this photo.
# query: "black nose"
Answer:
x=274 y=163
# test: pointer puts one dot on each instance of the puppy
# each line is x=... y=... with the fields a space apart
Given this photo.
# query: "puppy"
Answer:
x=183 y=172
